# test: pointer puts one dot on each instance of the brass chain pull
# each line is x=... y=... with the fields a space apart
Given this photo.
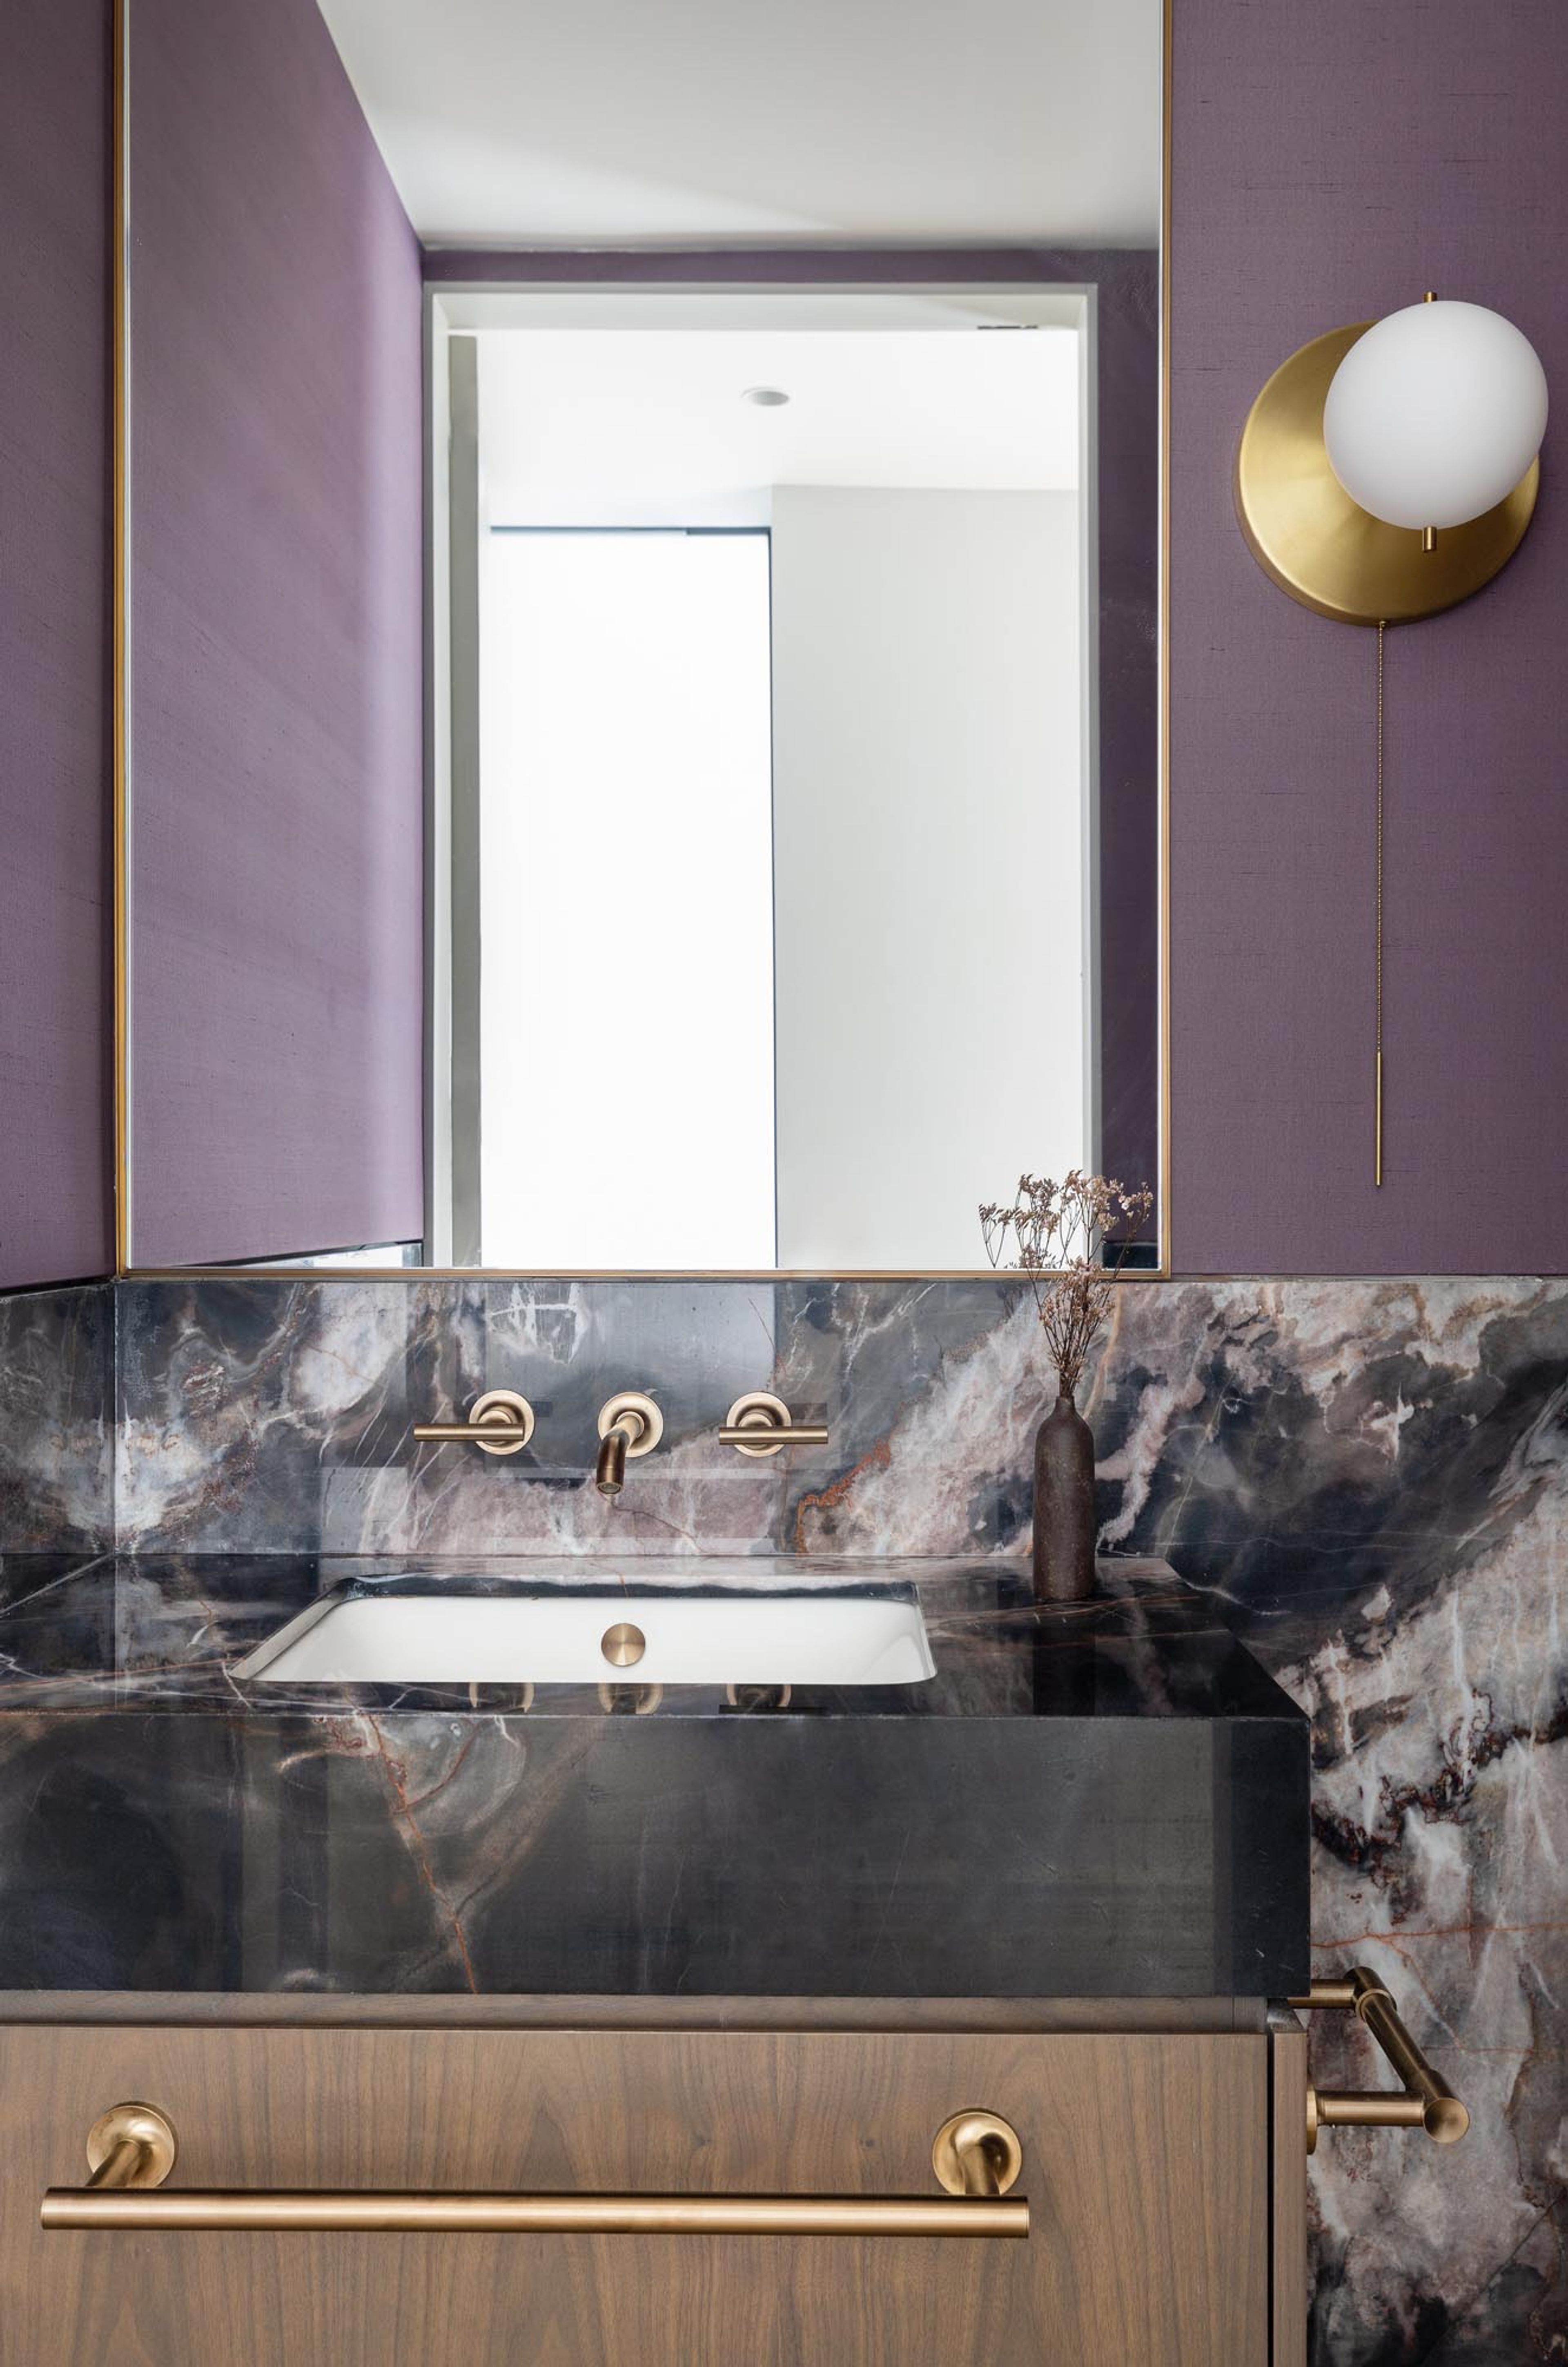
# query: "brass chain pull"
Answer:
x=1377 y=1152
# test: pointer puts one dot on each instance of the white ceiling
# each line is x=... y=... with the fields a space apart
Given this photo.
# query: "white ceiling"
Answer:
x=642 y=120
x=627 y=426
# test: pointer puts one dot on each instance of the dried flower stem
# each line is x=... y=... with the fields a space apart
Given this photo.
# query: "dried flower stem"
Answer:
x=1060 y=1232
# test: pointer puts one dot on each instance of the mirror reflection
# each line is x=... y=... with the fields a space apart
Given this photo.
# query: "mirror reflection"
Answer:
x=670 y=782
x=779 y=680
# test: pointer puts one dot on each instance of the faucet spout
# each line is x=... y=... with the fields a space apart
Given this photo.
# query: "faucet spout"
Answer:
x=629 y=1424
x=610 y=1477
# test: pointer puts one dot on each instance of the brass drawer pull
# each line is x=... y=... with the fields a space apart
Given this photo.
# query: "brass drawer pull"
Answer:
x=132 y=2148
x=1427 y=2100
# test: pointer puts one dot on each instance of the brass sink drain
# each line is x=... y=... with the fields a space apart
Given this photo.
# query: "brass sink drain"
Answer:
x=622 y=1644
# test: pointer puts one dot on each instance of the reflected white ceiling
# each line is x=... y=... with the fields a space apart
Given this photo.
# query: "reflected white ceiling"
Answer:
x=643 y=120
x=632 y=424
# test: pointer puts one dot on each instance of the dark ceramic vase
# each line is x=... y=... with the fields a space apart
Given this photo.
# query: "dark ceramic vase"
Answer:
x=1063 y=1506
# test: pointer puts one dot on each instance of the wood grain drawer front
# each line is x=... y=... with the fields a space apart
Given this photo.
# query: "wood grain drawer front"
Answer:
x=1146 y=2168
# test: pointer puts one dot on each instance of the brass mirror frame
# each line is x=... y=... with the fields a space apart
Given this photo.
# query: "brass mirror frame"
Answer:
x=125 y=1270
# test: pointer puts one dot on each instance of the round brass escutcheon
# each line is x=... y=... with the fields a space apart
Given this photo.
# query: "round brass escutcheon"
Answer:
x=141 y=2124
x=639 y=1404
x=977 y=2153
x=509 y=1415
x=622 y=1644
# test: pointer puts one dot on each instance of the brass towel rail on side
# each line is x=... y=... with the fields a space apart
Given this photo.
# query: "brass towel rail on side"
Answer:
x=132 y=2148
x=1425 y=2100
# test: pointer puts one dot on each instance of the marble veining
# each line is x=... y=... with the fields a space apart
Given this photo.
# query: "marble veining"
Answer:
x=1109 y=1801
x=57 y=1420
x=1367 y=1475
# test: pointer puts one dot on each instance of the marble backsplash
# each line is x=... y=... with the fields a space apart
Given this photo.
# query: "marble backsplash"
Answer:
x=57 y=1399
x=1373 y=1477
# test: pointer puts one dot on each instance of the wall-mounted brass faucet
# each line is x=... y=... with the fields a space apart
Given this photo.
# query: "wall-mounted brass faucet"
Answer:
x=629 y=1424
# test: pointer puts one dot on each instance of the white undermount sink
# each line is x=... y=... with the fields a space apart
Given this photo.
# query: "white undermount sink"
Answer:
x=365 y=1635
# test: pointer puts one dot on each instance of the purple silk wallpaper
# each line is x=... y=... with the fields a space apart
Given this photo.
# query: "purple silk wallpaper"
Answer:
x=1332 y=163
x=1293 y=207
x=56 y=1217
x=276 y=719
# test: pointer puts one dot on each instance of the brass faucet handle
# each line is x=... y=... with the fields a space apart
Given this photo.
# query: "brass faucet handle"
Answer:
x=760 y=1424
x=500 y=1422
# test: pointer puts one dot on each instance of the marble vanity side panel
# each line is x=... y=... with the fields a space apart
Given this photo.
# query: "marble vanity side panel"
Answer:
x=57 y=1420
x=1371 y=1477
x=1375 y=1475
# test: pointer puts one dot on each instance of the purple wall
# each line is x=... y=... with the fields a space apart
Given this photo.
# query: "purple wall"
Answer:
x=56 y=1218
x=278 y=651
x=1332 y=163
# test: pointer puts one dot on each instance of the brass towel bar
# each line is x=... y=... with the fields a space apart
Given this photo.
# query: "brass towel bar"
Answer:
x=131 y=2150
x=1427 y=2102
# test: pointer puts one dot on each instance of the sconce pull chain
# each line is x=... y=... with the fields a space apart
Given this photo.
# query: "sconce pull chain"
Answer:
x=1377 y=1159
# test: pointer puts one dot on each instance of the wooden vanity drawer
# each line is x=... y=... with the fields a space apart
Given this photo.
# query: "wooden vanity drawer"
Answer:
x=1147 y=2170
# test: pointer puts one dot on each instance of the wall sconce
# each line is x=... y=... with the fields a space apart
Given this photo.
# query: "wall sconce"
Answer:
x=1386 y=471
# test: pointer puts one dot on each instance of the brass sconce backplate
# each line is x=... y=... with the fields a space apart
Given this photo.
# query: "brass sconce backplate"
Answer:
x=1307 y=533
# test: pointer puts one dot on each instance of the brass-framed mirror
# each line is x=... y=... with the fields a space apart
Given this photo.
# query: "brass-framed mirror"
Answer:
x=738 y=844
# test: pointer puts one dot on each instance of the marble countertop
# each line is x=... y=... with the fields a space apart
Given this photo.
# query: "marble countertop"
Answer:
x=1109 y=1800
x=139 y=1633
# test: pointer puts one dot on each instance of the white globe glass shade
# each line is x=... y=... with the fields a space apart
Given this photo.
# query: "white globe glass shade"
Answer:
x=1435 y=414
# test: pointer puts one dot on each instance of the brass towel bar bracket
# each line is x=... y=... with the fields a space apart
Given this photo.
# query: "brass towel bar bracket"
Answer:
x=132 y=2150
x=1426 y=2101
